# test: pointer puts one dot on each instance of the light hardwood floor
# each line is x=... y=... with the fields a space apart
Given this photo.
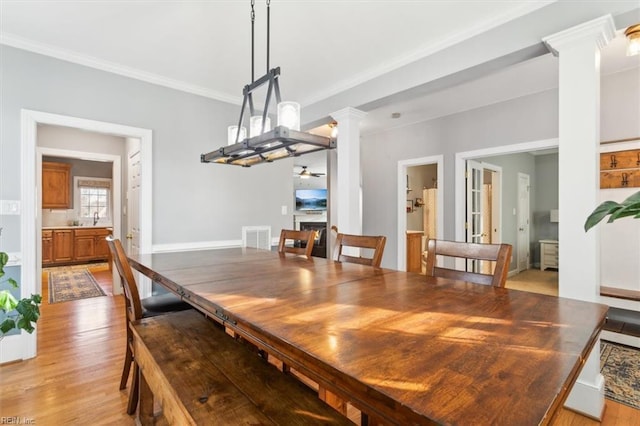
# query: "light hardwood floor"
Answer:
x=74 y=379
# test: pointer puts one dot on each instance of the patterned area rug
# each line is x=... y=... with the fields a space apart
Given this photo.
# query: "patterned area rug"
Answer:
x=68 y=284
x=620 y=366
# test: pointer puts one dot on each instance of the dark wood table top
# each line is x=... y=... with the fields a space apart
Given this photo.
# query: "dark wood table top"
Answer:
x=398 y=345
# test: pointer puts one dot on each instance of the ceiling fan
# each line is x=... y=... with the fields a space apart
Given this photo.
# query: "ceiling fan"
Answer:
x=306 y=174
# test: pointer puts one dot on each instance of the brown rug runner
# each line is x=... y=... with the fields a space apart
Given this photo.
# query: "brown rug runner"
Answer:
x=620 y=366
x=72 y=284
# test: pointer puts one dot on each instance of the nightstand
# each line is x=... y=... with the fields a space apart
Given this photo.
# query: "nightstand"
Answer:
x=548 y=254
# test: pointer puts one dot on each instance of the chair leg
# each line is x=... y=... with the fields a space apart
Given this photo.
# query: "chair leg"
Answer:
x=128 y=358
x=133 y=392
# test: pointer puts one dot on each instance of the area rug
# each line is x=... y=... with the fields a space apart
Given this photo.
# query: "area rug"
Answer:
x=620 y=366
x=72 y=284
x=100 y=265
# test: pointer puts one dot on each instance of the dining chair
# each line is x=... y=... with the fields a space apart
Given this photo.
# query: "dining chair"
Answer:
x=498 y=253
x=135 y=309
x=302 y=242
x=375 y=243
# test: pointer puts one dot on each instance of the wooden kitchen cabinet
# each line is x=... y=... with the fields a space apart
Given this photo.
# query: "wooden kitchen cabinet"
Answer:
x=74 y=245
x=62 y=245
x=47 y=246
x=90 y=244
x=56 y=185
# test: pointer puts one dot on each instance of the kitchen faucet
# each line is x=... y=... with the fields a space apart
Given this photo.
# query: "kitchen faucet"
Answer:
x=95 y=218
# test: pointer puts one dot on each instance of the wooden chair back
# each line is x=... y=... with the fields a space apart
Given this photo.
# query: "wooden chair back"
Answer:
x=375 y=243
x=132 y=296
x=498 y=253
x=306 y=237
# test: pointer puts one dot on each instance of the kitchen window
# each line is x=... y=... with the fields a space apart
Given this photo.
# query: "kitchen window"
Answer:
x=93 y=199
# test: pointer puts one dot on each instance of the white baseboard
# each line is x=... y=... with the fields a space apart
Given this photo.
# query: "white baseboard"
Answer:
x=204 y=245
x=200 y=245
x=17 y=347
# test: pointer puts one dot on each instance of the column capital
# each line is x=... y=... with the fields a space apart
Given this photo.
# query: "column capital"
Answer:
x=600 y=30
x=348 y=113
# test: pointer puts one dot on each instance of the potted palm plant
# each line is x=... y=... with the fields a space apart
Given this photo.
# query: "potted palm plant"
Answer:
x=629 y=207
x=18 y=314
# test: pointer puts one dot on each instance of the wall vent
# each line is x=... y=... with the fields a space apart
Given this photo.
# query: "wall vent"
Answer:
x=257 y=237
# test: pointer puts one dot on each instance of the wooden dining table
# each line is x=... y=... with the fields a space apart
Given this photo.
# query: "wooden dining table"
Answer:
x=402 y=347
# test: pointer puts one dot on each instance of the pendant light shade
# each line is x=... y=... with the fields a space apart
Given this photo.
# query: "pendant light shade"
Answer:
x=233 y=136
x=289 y=115
x=255 y=128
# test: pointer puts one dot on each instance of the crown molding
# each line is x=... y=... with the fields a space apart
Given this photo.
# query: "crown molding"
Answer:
x=602 y=30
x=111 y=67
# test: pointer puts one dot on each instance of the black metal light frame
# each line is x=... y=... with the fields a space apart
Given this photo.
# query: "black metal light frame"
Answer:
x=281 y=142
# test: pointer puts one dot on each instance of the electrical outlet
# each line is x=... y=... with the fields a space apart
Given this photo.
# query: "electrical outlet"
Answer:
x=9 y=207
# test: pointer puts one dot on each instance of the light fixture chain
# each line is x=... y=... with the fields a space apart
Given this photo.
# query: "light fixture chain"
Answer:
x=268 y=31
x=253 y=19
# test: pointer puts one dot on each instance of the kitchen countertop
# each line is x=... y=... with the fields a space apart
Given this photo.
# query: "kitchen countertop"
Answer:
x=78 y=227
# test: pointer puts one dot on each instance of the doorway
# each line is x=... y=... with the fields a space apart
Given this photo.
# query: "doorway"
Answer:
x=412 y=205
x=31 y=223
x=525 y=158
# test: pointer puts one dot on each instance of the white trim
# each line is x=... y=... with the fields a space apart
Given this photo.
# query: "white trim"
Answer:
x=602 y=30
x=15 y=259
x=13 y=348
x=201 y=245
x=460 y=161
x=31 y=199
x=587 y=398
x=623 y=339
x=112 y=67
x=402 y=201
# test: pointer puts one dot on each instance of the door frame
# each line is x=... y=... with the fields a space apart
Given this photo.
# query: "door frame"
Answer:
x=30 y=220
x=528 y=230
x=460 y=167
x=438 y=160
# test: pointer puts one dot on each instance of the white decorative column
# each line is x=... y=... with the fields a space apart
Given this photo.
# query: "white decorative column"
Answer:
x=578 y=49
x=349 y=176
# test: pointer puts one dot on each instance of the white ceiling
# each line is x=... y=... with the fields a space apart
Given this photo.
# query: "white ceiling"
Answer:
x=322 y=46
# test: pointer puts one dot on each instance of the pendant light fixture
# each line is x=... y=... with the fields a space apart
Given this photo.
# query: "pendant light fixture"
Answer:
x=263 y=144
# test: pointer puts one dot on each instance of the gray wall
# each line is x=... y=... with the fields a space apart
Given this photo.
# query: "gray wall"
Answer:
x=511 y=165
x=191 y=201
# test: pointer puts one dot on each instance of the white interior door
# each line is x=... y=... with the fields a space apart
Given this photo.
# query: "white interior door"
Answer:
x=523 y=222
x=133 y=202
x=474 y=221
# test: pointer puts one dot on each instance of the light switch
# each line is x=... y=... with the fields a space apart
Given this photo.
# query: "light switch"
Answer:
x=284 y=210
x=9 y=207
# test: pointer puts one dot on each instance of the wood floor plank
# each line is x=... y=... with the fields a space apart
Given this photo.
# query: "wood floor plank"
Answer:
x=75 y=377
